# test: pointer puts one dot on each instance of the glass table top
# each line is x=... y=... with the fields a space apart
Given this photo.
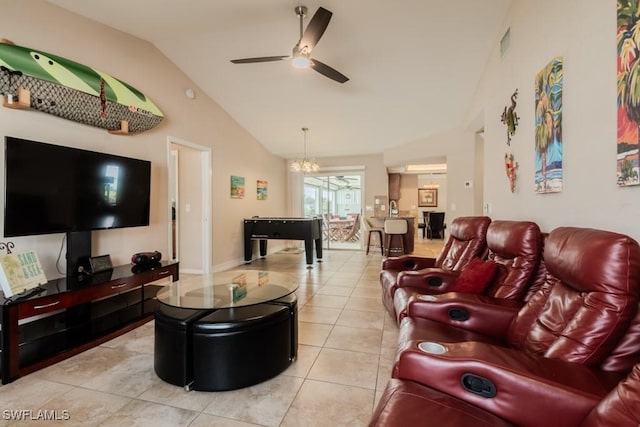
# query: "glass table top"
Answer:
x=228 y=289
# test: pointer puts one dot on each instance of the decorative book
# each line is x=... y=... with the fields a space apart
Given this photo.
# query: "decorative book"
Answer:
x=238 y=287
x=263 y=278
x=19 y=272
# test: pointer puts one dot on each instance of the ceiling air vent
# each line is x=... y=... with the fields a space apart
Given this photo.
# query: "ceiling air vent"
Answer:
x=504 y=42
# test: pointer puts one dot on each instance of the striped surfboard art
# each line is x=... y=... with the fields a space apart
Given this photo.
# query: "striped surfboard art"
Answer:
x=74 y=91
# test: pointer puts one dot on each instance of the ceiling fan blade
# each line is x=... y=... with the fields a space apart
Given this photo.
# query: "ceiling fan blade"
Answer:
x=260 y=59
x=315 y=29
x=327 y=71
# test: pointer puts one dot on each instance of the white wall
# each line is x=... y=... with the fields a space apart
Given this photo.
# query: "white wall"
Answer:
x=458 y=147
x=408 y=201
x=583 y=32
x=42 y=26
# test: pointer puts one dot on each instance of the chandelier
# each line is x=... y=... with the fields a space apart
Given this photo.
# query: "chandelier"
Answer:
x=305 y=165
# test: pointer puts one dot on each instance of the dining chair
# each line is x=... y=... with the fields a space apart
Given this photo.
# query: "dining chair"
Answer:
x=435 y=225
x=352 y=230
x=423 y=225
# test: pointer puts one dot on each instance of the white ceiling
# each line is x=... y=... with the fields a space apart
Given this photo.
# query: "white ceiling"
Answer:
x=413 y=64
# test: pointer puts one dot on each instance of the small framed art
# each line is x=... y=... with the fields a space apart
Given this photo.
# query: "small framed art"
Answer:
x=428 y=197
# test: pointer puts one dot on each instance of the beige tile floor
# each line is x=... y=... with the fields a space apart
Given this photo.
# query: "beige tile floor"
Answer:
x=346 y=346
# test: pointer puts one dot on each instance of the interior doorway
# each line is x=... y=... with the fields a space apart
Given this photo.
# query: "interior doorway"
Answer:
x=189 y=205
x=338 y=199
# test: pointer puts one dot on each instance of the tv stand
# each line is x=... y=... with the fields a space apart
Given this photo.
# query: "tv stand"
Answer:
x=73 y=314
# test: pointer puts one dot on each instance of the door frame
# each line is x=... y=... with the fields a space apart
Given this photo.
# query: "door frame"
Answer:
x=206 y=168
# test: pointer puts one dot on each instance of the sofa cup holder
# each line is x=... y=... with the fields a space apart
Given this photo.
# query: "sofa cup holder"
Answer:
x=432 y=347
x=458 y=314
x=434 y=281
x=478 y=385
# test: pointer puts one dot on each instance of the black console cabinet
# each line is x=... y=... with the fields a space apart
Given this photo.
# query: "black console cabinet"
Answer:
x=70 y=315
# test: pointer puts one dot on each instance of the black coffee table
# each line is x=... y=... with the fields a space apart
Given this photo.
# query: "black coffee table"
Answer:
x=226 y=330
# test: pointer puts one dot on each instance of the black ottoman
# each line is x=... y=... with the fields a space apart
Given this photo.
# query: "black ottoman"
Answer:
x=172 y=355
x=243 y=346
x=291 y=301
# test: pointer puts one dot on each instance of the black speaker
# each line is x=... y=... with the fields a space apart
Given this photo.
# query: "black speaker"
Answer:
x=146 y=258
x=78 y=252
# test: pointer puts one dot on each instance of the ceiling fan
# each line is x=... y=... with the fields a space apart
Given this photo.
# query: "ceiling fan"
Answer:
x=301 y=55
x=345 y=182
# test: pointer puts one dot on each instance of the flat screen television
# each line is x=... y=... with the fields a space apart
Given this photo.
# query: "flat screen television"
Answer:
x=55 y=189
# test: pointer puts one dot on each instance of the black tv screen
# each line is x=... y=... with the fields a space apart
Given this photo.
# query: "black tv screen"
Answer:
x=54 y=189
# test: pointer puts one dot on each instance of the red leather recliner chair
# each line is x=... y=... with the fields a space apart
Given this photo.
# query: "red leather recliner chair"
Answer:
x=553 y=360
x=515 y=246
x=406 y=403
x=466 y=241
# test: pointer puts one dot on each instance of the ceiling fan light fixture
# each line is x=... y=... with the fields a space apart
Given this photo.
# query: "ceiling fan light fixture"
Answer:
x=301 y=59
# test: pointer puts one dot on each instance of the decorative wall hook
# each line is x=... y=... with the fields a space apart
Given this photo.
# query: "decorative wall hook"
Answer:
x=510 y=118
x=511 y=167
x=11 y=91
x=8 y=246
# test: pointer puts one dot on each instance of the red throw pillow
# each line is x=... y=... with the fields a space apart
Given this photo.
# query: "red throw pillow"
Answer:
x=475 y=277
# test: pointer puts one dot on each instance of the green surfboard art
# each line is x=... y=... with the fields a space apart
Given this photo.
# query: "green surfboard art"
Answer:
x=74 y=91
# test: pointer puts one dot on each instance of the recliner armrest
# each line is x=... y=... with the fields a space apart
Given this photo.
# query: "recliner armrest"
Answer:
x=478 y=313
x=407 y=262
x=407 y=403
x=432 y=280
x=505 y=381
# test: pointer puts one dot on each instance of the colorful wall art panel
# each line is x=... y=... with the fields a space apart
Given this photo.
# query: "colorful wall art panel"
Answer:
x=628 y=39
x=548 y=125
x=237 y=187
x=261 y=190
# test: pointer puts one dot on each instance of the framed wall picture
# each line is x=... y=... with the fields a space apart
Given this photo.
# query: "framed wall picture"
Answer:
x=261 y=190
x=237 y=187
x=428 y=197
x=548 y=132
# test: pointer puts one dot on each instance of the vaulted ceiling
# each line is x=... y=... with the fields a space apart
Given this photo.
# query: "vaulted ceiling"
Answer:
x=413 y=65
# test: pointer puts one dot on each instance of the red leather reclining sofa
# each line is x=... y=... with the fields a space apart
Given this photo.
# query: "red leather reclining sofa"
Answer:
x=566 y=357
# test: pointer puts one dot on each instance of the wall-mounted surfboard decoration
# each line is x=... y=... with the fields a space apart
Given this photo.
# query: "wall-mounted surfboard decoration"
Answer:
x=67 y=89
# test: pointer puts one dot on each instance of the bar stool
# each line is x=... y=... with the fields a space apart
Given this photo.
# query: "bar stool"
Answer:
x=373 y=229
x=394 y=227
